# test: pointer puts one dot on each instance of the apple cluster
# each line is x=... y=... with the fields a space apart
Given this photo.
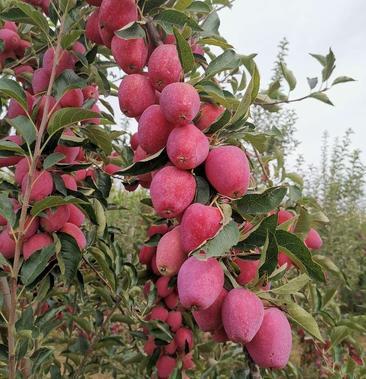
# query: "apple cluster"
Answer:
x=177 y=351
x=171 y=116
x=35 y=79
x=13 y=46
x=197 y=285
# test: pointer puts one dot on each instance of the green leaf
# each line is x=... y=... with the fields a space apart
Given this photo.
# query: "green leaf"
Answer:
x=52 y=159
x=26 y=321
x=320 y=58
x=329 y=66
x=11 y=146
x=68 y=80
x=292 y=286
x=100 y=137
x=181 y=5
x=22 y=344
x=318 y=216
x=278 y=273
x=184 y=51
x=258 y=235
x=177 y=374
x=270 y=256
x=260 y=203
x=342 y=79
x=289 y=76
x=152 y=4
x=35 y=265
x=219 y=245
x=258 y=140
x=266 y=103
x=228 y=60
x=6 y=209
x=10 y=88
x=203 y=193
x=35 y=17
x=103 y=183
x=215 y=41
x=160 y=330
x=101 y=217
x=294 y=193
x=131 y=31
x=66 y=117
x=327 y=264
x=199 y=7
x=69 y=38
x=25 y=13
x=215 y=94
x=102 y=262
x=273 y=88
x=24 y=126
x=69 y=257
x=170 y=17
x=211 y=25
x=149 y=164
x=249 y=95
x=5 y=262
x=110 y=341
x=296 y=178
x=53 y=201
x=328 y=297
x=338 y=334
x=312 y=82
x=4 y=352
x=81 y=345
x=302 y=318
x=220 y=123
x=321 y=96
x=55 y=372
x=303 y=223
x=300 y=254
x=40 y=357
x=43 y=289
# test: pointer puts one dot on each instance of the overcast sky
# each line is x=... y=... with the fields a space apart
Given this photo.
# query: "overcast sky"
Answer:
x=311 y=26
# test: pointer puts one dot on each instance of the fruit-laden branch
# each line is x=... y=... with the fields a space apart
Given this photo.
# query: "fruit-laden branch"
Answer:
x=24 y=209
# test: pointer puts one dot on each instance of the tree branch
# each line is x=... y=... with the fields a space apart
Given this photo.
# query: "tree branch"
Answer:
x=288 y=101
x=25 y=205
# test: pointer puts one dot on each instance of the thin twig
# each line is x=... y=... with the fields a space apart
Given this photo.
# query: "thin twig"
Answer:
x=98 y=274
x=288 y=101
x=265 y=173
